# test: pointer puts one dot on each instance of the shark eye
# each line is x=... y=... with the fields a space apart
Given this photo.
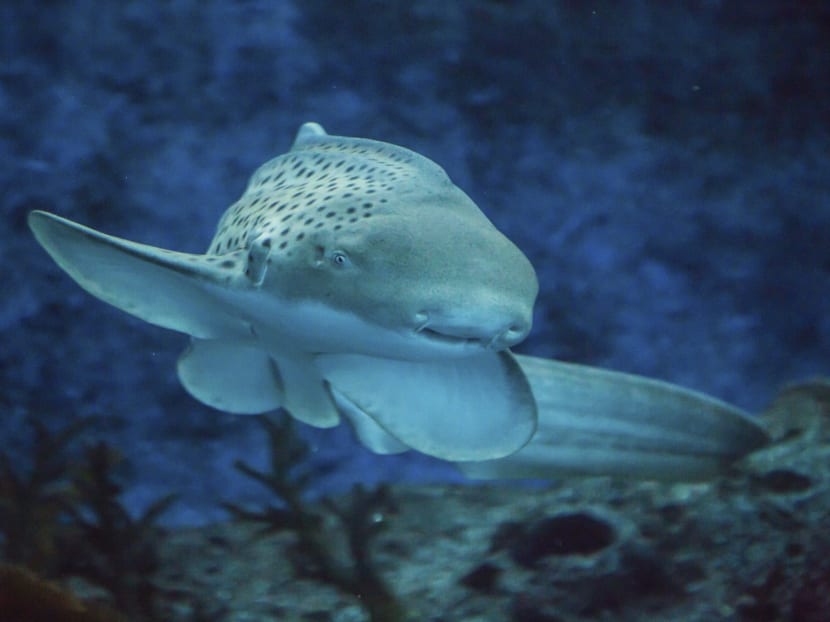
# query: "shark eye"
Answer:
x=340 y=259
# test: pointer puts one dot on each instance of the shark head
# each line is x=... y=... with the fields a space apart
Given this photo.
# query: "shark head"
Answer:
x=378 y=240
x=351 y=278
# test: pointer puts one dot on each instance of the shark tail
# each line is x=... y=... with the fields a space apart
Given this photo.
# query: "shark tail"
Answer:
x=599 y=422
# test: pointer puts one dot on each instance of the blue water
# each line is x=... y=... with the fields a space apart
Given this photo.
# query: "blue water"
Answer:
x=664 y=165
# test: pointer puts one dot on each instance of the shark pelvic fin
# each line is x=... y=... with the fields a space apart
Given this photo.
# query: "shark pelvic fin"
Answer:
x=230 y=375
x=468 y=408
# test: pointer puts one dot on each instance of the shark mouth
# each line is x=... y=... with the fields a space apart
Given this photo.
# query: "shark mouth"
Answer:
x=437 y=335
x=456 y=336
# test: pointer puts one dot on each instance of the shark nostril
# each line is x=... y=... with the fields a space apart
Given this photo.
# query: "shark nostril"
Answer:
x=513 y=334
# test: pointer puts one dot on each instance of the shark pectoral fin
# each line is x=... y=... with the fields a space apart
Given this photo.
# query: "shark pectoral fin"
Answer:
x=599 y=422
x=306 y=397
x=231 y=375
x=373 y=437
x=162 y=287
x=470 y=408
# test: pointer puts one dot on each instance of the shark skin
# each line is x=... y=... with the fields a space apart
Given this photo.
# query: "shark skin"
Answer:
x=352 y=277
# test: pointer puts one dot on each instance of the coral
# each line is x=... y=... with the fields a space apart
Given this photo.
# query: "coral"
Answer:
x=32 y=500
x=61 y=516
x=109 y=547
x=361 y=519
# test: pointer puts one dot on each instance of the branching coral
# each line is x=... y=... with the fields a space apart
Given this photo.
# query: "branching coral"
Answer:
x=111 y=548
x=32 y=500
x=361 y=520
x=62 y=516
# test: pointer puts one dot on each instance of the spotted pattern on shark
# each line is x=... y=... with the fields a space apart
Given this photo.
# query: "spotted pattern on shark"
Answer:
x=318 y=185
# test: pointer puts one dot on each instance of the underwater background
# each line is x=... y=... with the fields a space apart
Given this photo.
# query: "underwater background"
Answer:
x=664 y=165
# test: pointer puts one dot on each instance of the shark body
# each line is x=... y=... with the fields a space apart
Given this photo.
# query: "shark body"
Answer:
x=354 y=279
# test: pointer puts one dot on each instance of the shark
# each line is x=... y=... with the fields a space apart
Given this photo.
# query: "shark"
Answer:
x=353 y=279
